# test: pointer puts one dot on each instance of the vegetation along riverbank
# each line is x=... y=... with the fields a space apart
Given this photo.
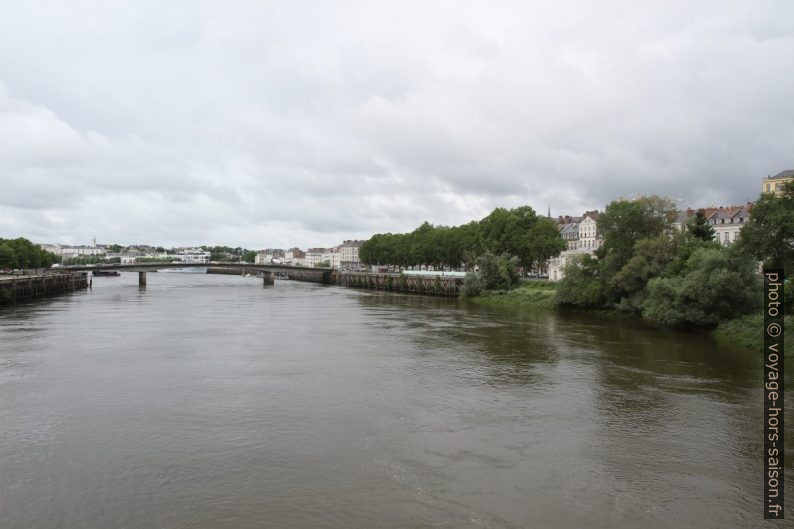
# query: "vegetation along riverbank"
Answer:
x=648 y=267
x=744 y=331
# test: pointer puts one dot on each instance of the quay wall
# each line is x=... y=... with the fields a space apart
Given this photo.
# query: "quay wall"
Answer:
x=16 y=289
x=313 y=275
x=427 y=285
x=233 y=271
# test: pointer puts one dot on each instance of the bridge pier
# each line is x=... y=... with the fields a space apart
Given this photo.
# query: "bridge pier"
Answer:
x=141 y=279
x=267 y=278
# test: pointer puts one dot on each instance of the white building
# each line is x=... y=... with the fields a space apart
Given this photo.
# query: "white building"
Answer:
x=74 y=251
x=348 y=254
x=314 y=256
x=727 y=221
x=557 y=264
x=589 y=238
x=295 y=257
x=193 y=257
x=581 y=236
x=263 y=257
x=332 y=256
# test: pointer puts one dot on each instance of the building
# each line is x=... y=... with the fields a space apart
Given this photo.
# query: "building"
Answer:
x=589 y=238
x=193 y=256
x=269 y=255
x=569 y=231
x=348 y=254
x=315 y=255
x=295 y=257
x=727 y=221
x=263 y=257
x=332 y=257
x=682 y=218
x=68 y=251
x=581 y=236
x=774 y=184
x=557 y=264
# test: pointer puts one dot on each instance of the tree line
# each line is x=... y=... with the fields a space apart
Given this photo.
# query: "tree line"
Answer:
x=680 y=278
x=21 y=253
x=517 y=232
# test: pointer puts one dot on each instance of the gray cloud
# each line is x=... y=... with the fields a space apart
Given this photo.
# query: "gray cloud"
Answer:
x=275 y=124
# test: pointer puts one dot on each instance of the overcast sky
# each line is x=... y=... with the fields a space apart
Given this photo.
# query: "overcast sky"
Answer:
x=274 y=124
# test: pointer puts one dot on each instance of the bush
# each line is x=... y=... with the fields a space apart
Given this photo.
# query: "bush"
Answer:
x=714 y=285
x=747 y=332
x=494 y=272
x=582 y=286
x=531 y=294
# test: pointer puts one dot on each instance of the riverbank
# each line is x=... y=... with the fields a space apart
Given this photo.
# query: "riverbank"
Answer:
x=745 y=332
x=530 y=294
x=16 y=289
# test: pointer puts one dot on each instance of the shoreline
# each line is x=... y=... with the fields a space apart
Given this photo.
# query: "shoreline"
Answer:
x=744 y=332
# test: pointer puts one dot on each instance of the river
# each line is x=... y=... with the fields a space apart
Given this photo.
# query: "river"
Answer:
x=209 y=401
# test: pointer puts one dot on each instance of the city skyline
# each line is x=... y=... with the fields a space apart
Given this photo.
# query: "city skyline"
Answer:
x=264 y=125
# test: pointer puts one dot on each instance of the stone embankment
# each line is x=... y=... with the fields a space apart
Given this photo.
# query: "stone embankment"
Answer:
x=16 y=289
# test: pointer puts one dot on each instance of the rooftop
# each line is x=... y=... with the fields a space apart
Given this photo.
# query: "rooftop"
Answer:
x=782 y=175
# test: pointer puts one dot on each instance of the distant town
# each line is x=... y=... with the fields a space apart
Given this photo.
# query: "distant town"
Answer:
x=580 y=233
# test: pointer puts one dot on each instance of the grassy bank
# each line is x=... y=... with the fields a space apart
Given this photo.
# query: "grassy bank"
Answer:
x=747 y=331
x=539 y=294
x=743 y=332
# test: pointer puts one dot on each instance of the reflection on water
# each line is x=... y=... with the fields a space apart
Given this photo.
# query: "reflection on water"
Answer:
x=210 y=401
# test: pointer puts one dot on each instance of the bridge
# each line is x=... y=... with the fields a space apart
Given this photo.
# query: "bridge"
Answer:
x=267 y=271
x=430 y=285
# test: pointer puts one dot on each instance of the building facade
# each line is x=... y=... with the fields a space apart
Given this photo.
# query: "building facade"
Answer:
x=581 y=236
x=263 y=257
x=727 y=221
x=774 y=184
x=295 y=257
x=570 y=234
x=348 y=255
x=589 y=238
x=195 y=256
x=315 y=255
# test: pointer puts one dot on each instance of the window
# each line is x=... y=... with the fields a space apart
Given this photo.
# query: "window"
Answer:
x=727 y=237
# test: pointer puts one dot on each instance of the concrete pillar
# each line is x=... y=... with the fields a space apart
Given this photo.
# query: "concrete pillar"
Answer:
x=141 y=279
x=267 y=278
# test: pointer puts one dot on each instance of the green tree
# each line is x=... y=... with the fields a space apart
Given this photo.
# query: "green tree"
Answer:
x=543 y=242
x=700 y=228
x=627 y=221
x=622 y=225
x=582 y=285
x=494 y=272
x=8 y=257
x=249 y=256
x=769 y=235
x=650 y=258
x=715 y=284
x=21 y=253
x=518 y=232
x=323 y=264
